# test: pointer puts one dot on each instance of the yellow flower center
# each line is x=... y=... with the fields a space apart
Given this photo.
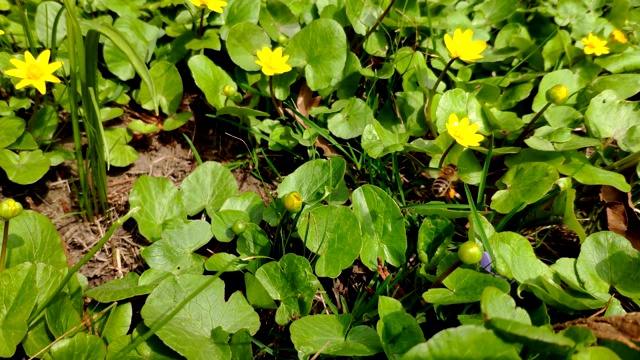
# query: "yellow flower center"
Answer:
x=35 y=72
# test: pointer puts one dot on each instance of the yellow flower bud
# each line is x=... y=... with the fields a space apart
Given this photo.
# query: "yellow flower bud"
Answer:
x=283 y=39
x=293 y=202
x=470 y=253
x=557 y=95
x=10 y=209
x=229 y=91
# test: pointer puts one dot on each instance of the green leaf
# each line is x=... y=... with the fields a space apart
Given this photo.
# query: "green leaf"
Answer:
x=463 y=342
x=333 y=335
x=608 y=259
x=626 y=62
x=208 y=186
x=61 y=316
x=595 y=353
x=211 y=79
x=540 y=339
x=17 y=299
x=223 y=261
x=249 y=202
x=177 y=120
x=24 y=168
x=351 y=120
x=564 y=77
x=398 y=330
x=11 y=127
x=321 y=49
x=243 y=41
x=463 y=286
x=120 y=289
x=493 y=11
x=113 y=323
x=362 y=14
x=257 y=295
x=168 y=86
x=291 y=281
x=237 y=12
x=276 y=19
x=607 y=106
x=210 y=40
x=200 y=329
x=579 y=168
x=563 y=205
x=142 y=38
x=410 y=108
x=141 y=127
x=315 y=180
x=526 y=184
x=160 y=205
x=222 y=222
x=33 y=238
x=624 y=86
x=253 y=242
x=175 y=251
x=378 y=141
x=549 y=289
x=515 y=258
x=45 y=18
x=382 y=227
x=496 y=304
x=434 y=237
x=332 y=232
x=80 y=347
x=151 y=349
x=119 y=153
x=44 y=124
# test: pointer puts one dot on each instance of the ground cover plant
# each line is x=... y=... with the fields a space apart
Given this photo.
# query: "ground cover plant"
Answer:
x=435 y=179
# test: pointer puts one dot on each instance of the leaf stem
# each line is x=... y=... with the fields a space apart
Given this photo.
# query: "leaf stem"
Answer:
x=429 y=97
x=200 y=29
x=446 y=273
x=375 y=26
x=444 y=155
x=5 y=240
x=526 y=130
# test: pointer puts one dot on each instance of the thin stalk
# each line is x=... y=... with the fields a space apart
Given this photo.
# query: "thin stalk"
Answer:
x=201 y=28
x=273 y=97
x=485 y=170
x=625 y=163
x=429 y=97
x=5 y=240
x=80 y=263
x=378 y=22
x=526 y=130
x=446 y=273
x=444 y=155
x=25 y=26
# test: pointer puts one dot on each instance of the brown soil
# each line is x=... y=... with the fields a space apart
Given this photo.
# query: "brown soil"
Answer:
x=164 y=155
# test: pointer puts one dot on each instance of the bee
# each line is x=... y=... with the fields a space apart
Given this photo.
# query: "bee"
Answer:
x=443 y=186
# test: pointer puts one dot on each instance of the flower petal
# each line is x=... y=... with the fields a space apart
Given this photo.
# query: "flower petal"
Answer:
x=40 y=85
x=51 y=78
x=464 y=122
x=51 y=68
x=19 y=73
x=23 y=83
x=29 y=58
x=44 y=56
x=18 y=63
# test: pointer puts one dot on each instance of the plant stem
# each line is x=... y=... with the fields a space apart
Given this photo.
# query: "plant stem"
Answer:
x=429 y=97
x=625 y=163
x=446 y=152
x=530 y=125
x=273 y=98
x=200 y=30
x=27 y=29
x=5 y=240
x=446 y=273
x=375 y=26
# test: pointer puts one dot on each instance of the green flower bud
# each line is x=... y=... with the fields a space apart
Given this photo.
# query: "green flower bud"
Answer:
x=229 y=91
x=293 y=202
x=283 y=39
x=10 y=209
x=557 y=95
x=470 y=253
x=239 y=227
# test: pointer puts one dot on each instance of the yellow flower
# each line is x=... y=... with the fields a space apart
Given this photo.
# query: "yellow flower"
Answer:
x=593 y=45
x=213 y=5
x=462 y=132
x=461 y=46
x=272 y=62
x=1 y=32
x=35 y=71
x=619 y=37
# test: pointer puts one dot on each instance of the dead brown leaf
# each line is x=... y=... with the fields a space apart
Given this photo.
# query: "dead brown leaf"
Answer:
x=621 y=216
x=623 y=328
x=305 y=102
